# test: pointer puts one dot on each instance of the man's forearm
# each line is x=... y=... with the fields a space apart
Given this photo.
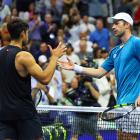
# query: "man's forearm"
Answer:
x=97 y=73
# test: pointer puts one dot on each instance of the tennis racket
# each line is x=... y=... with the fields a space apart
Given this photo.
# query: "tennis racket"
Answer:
x=37 y=96
x=118 y=111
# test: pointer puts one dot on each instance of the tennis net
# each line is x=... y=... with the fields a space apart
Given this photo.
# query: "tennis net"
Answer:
x=84 y=123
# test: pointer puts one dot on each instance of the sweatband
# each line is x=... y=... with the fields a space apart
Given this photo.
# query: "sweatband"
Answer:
x=78 y=68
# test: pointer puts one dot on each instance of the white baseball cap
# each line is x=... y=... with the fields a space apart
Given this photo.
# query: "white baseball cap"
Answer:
x=122 y=16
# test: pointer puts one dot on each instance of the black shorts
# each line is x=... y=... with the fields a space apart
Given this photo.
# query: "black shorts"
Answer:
x=21 y=129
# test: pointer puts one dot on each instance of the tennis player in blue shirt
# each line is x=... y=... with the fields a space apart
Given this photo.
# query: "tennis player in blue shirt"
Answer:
x=125 y=59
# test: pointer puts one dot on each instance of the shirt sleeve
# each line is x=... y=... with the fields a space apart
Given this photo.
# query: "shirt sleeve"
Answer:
x=108 y=64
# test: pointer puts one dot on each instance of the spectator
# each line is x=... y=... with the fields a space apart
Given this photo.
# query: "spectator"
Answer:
x=75 y=29
x=86 y=26
x=83 y=54
x=23 y=5
x=66 y=25
x=34 y=32
x=55 y=85
x=82 y=6
x=7 y=19
x=101 y=35
x=5 y=35
x=56 y=11
x=4 y=10
x=8 y=2
x=61 y=36
x=37 y=86
x=137 y=18
x=99 y=55
x=126 y=6
x=31 y=10
x=64 y=100
x=86 y=95
x=104 y=53
x=46 y=99
x=41 y=6
x=97 y=52
x=14 y=13
x=105 y=86
x=98 y=8
x=43 y=50
x=67 y=5
x=48 y=30
x=83 y=37
x=71 y=55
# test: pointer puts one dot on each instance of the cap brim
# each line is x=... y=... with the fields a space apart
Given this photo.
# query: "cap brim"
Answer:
x=112 y=20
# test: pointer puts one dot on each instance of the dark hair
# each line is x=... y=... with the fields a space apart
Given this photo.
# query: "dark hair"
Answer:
x=16 y=26
x=69 y=45
x=104 y=50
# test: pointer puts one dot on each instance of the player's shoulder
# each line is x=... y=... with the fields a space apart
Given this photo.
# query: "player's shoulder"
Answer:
x=24 y=55
x=136 y=41
x=136 y=38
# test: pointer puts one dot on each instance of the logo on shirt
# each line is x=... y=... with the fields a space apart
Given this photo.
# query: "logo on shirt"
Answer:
x=121 y=45
x=114 y=56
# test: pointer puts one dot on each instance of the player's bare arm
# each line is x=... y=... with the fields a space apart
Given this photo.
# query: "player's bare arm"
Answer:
x=97 y=73
x=26 y=64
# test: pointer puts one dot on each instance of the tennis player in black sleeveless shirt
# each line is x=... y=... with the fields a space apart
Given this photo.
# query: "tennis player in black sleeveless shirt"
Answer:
x=18 y=115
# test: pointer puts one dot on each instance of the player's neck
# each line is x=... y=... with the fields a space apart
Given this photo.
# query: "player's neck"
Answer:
x=125 y=37
x=16 y=43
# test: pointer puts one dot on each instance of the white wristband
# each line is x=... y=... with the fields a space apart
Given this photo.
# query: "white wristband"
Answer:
x=78 y=68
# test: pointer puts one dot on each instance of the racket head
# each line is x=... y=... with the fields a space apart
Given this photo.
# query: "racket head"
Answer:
x=116 y=112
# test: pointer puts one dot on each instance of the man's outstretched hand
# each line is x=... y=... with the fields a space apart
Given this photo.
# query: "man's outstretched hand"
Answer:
x=68 y=65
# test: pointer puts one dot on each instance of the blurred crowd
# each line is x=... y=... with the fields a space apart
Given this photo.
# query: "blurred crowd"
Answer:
x=84 y=26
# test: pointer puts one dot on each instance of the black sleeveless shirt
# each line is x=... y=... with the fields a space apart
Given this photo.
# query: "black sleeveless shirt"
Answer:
x=15 y=91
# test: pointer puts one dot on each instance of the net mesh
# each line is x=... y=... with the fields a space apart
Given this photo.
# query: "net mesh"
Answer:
x=84 y=123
